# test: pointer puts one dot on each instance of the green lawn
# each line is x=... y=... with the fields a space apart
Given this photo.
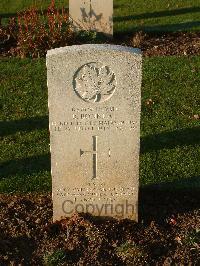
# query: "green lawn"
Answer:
x=130 y=16
x=170 y=137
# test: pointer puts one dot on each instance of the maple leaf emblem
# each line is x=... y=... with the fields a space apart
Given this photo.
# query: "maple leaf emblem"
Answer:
x=95 y=82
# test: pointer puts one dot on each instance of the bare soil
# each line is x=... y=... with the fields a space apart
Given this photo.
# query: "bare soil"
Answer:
x=167 y=44
x=181 y=43
x=168 y=233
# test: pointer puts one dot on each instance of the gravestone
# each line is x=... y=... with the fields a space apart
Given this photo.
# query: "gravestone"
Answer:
x=94 y=119
x=92 y=15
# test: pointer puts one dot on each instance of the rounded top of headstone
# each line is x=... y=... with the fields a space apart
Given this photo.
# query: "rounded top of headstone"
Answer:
x=97 y=47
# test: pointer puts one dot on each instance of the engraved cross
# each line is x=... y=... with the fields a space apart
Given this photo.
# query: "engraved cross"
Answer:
x=94 y=153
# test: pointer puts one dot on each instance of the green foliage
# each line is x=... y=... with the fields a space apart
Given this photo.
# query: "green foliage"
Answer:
x=123 y=248
x=193 y=238
x=90 y=37
x=54 y=258
x=129 y=252
x=36 y=32
x=39 y=33
x=87 y=36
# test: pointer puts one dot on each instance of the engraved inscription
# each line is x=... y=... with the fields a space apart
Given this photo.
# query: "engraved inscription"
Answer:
x=94 y=153
x=93 y=119
x=94 y=194
x=94 y=82
x=103 y=125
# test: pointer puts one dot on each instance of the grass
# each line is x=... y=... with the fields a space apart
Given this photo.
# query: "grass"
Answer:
x=129 y=251
x=55 y=258
x=170 y=136
x=25 y=142
x=192 y=238
x=156 y=16
x=11 y=7
x=131 y=16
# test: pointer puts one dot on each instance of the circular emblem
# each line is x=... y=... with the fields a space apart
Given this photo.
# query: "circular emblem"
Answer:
x=94 y=83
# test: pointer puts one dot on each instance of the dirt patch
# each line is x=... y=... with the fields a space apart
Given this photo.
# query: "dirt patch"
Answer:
x=168 y=233
x=151 y=45
x=167 y=44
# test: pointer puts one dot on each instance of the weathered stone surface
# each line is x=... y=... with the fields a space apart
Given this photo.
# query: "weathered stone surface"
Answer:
x=94 y=110
x=95 y=15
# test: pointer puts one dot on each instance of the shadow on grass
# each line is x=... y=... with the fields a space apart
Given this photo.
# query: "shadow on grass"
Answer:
x=25 y=166
x=170 y=140
x=159 y=201
x=158 y=14
x=8 y=15
x=27 y=125
x=117 y=6
x=157 y=28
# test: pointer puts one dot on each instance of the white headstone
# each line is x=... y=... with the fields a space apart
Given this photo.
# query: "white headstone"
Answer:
x=94 y=116
x=92 y=15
